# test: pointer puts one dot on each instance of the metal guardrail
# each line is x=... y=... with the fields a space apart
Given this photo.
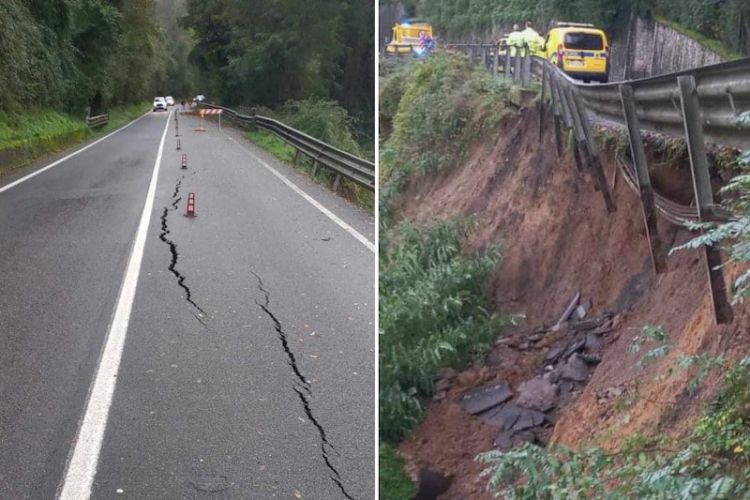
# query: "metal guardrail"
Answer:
x=700 y=105
x=97 y=121
x=723 y=91
x=343 y=164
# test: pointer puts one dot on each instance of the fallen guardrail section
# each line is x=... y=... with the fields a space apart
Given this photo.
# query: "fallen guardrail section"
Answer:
x=341 y=163
x=707 y=104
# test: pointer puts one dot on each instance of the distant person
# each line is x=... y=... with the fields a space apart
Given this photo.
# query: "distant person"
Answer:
x=534 y=40
x=515 y=40
x=426 y=44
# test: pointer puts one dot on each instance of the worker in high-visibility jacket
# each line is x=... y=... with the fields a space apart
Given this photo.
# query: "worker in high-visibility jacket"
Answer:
x=515 y=40
x=534 y=40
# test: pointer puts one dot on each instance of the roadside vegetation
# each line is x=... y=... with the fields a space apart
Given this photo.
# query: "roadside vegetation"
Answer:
x=324 y=120
x=433 y=110
x=269 y=52
x=64 y=56
x=434 y=310
x=26 y=136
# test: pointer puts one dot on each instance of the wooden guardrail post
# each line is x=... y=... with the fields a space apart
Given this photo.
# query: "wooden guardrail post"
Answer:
x=703 y=193
x=516 y=64
x=556 y=105
x=567 y=106
x=496 y=60
x=526 y=67
x=638 y=153
x=541 y=103
x=597 y=171
x=507 y=68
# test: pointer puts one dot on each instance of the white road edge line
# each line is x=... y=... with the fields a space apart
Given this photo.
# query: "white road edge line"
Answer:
x=346 y=227
x=81 y=469
x=71 y=155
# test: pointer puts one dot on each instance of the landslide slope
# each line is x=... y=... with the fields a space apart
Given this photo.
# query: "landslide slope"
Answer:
x=558 y=239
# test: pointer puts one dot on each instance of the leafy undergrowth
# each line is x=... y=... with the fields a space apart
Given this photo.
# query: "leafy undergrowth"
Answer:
x=434 y=314
x=26 y=136
x=434 y=109
x=394 y=483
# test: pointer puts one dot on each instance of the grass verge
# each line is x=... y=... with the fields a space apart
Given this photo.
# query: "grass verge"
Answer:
x=286 y=153
x=393 y=481
x=27 y=136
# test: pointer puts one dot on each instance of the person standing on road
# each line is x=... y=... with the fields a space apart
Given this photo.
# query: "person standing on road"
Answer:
x=515 y=40
x=534 y=40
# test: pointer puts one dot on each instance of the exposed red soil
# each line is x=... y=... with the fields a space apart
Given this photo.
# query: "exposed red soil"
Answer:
x=558 y=239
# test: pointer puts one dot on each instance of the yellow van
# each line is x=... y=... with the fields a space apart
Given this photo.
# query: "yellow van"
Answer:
x=406 y=36
x=580 y=50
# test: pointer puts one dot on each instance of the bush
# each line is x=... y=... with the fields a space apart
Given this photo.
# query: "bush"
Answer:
x=324 y=120
x=433 y=314
x=447 y=103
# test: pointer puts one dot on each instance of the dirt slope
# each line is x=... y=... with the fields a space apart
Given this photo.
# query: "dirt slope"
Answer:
x=558 y=239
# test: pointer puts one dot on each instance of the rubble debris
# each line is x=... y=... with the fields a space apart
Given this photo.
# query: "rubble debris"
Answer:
x=568 y=311
x=538 y=394
x=575 y=369
x=481 y=399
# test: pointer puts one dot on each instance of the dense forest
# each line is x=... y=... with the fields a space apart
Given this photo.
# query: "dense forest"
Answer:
x=725 y=20
x=66 y=55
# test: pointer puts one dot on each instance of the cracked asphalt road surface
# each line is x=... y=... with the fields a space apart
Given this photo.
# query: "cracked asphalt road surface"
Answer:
x=248 y=367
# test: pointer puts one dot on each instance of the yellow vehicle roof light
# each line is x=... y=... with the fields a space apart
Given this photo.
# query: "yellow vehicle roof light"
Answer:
x=563 y=24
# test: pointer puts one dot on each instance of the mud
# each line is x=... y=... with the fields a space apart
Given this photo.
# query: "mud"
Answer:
x=558 y=239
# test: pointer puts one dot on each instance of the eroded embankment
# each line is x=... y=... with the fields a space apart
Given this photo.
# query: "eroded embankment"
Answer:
x=558 y=239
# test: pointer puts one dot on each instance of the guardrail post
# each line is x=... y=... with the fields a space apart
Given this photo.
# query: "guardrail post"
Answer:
x=704 y=197
x=336 y=182
x=496 y=60
x=517 y=64
x=556 y=111
x=585 y=137
x=507 y=68
x=541 y=103
x=526 y=68
x=638 y=154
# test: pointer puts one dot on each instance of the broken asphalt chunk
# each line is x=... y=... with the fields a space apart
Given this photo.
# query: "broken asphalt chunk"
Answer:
x=575 y=369
x=538 y=394
x=481 y=399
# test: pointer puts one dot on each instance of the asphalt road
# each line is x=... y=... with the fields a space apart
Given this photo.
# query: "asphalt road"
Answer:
x=248 y=366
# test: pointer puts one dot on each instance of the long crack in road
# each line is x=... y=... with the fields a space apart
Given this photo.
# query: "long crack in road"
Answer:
x=301 y=387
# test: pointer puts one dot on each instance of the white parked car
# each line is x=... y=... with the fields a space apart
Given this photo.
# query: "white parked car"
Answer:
x=160 y=104
x=199 y=98
x=170 y=100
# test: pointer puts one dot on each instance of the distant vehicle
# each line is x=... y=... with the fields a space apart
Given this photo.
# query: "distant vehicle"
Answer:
x=406 y=37
x=160 y=104
x=199 y=98
x=170 y=100
x=580 y=50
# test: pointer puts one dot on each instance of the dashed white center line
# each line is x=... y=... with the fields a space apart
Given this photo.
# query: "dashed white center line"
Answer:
x=82 y=464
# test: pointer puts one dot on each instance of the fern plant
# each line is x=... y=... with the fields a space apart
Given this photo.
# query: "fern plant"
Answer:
x=732 y=236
